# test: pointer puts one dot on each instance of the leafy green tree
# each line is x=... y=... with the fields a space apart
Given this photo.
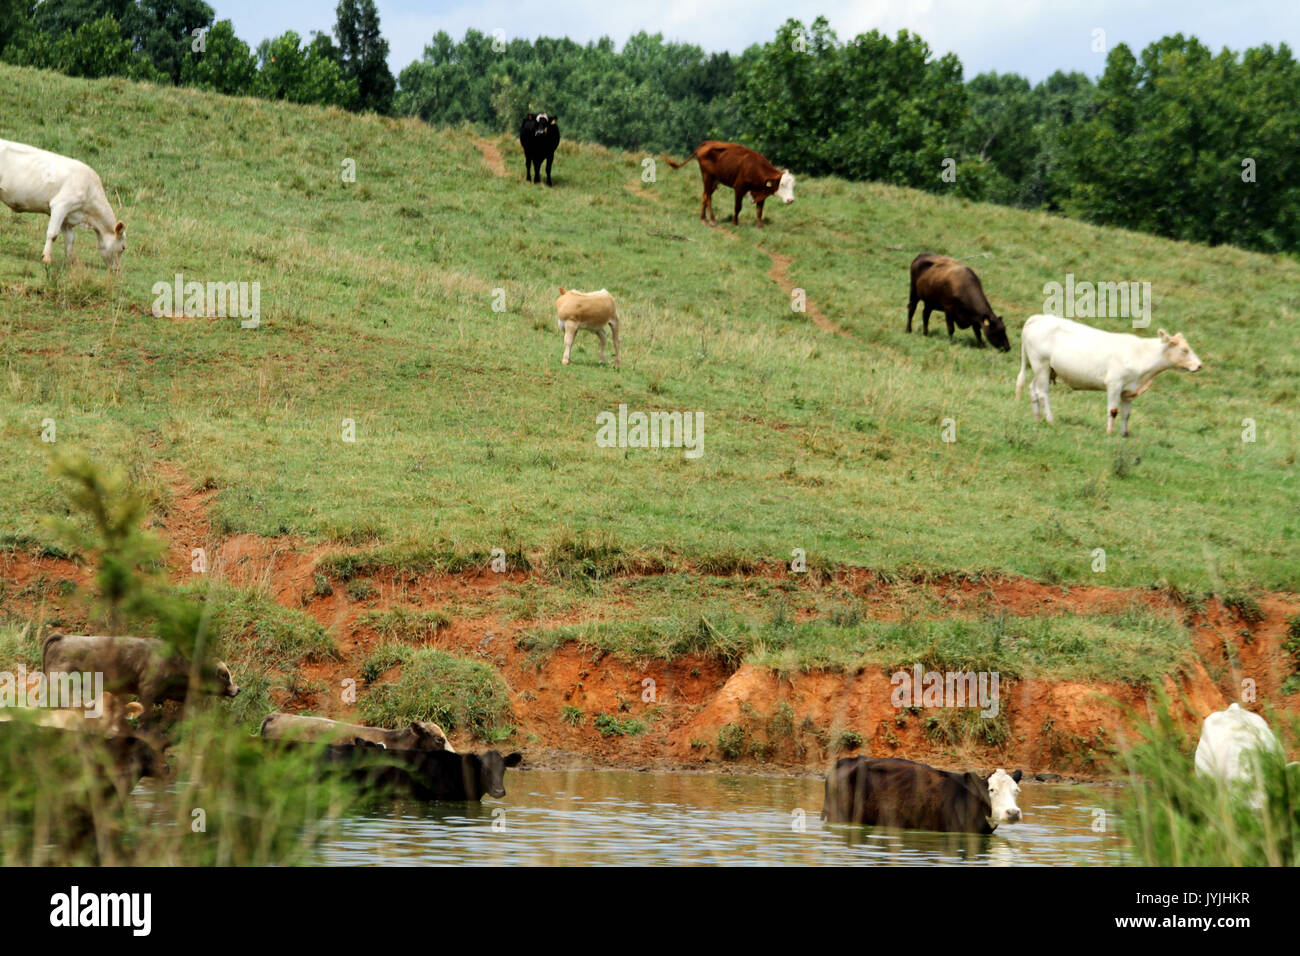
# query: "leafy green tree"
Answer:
x=15 y=21
x=226 y=64
x=874 y=108
x=290 y=71
x=365 y=54
x=163 y=30
x=95 y=49
x=1174 y=136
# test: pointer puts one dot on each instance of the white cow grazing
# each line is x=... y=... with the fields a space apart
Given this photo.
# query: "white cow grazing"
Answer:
x=1082 y=357
x=587 y=310
x=69 y=191
x=1232 y=741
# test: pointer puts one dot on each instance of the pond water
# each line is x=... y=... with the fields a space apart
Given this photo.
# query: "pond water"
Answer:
x=597 y=817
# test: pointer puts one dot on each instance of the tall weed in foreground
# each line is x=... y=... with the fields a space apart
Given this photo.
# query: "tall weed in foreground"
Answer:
x=231 y=800
x=1175 y=817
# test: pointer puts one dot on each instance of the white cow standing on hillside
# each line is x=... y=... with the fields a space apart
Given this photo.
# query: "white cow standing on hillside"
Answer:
x=1082 y=357
x=69 y=191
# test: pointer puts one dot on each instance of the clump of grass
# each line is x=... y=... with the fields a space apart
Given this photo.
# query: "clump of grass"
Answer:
x=1291 y=644
x=596 y=556
x=1244 y=605
x=361 y=589
x=611 y=725
x=459 y=693
x=573 y=716
x=849 y=740
x=405 y=624
x=733 y=741
x=19 y=645
x=383 y=657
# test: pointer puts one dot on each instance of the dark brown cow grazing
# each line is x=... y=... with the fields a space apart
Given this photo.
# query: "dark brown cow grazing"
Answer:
x=743 y=170
x=954 y=289
x=912 y=796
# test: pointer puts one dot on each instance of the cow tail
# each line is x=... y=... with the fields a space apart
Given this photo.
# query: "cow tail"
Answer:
x=1020 y=379
x=694 y=155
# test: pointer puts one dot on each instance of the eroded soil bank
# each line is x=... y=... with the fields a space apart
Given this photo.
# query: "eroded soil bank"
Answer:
x=699 y=712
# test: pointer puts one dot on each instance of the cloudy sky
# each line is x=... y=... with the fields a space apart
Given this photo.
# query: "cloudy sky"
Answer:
x=1030 y=37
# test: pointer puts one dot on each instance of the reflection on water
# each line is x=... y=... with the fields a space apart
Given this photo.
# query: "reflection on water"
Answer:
x=590 y=817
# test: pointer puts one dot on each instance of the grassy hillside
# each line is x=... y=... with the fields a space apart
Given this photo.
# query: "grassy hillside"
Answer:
x=377 y=306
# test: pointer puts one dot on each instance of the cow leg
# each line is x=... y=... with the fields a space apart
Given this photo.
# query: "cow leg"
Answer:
x=911 y=309
x=57 y=215
x=1113 y=398
x=569 y=332
x=69 y=233
x=1124 y=409
x=549 y=160
x=706 y=202
x=601 y=333
x=979 y=339
x=759 y=204
x=735 y=216
x=1039 y=388
x=951 y=327
x=613 y=328
x=925 y=319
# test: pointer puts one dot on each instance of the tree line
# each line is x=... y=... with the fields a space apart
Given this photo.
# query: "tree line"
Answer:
x=1176 y=141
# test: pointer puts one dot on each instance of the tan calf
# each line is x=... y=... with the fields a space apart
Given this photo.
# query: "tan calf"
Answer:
x=587 y=310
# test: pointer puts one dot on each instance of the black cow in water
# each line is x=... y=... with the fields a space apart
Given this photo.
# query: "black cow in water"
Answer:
x=539 y=136
x=912 y=796
x=423 y=774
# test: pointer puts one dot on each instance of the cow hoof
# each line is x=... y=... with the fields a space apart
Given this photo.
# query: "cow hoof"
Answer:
x=47 y=260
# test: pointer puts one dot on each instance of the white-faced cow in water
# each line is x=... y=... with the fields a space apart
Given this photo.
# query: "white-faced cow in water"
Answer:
x=953 y=288
x=67 y=190
x=1119 y=364
x=539 y=135
x=912 y=796
x=744 y=170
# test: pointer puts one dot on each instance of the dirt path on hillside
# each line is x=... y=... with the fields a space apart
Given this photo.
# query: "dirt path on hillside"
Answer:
x=698 y=711
x=491 y=156
x=780 y=274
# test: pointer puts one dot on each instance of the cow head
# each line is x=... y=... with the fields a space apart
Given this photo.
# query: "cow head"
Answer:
x=1178 y=353
x=492 y=771
x=112 y=245
x=221 y=683
x=1002 y=788
x=785 y=189
x=429 y=736
x=543 y=124
x=996 y=331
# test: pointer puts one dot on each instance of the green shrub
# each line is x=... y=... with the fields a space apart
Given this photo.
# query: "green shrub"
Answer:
x=457 y=692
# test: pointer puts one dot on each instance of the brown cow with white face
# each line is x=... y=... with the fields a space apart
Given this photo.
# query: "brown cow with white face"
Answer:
x=888 y=792
x=744 y=170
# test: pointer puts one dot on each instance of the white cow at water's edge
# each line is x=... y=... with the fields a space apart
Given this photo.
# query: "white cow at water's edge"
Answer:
x=1082 y=357
x=1232 y=743
x=69 y=191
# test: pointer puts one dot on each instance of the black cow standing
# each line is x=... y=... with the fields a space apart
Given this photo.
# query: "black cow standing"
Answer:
x=539 y=135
